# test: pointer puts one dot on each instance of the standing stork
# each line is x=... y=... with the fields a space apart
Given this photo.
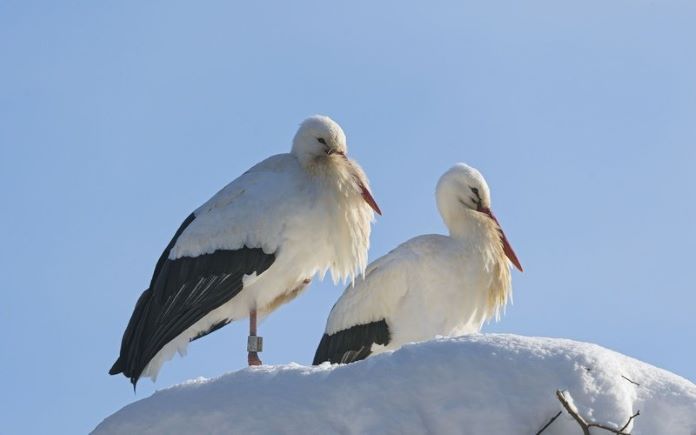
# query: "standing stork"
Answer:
x=254 y=246
x=430 y=285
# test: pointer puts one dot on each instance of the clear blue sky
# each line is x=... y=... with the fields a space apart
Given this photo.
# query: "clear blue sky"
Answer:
x=118 y=119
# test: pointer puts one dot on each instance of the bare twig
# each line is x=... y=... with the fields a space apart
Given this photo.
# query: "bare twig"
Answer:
x=630 y=420
x=584 y=424
x=633 y=382
x=549 y=422
x=581 y=421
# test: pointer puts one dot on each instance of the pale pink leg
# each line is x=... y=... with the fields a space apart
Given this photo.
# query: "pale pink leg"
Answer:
x=254 y=344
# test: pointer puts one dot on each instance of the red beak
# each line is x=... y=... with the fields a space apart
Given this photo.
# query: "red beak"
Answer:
x=506 y=245
x=367 y=196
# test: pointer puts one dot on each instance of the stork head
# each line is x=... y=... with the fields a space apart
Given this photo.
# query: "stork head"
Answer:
x=320 y=146
x=319 y=136
x=463 y=197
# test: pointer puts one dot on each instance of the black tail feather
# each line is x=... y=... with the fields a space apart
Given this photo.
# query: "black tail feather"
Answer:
x=352 y=344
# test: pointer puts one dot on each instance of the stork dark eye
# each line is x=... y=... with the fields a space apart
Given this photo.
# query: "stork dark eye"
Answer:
x=476 y=200
x=321 y=140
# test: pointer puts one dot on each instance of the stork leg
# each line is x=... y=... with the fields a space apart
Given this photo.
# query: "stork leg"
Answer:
x=254 y=343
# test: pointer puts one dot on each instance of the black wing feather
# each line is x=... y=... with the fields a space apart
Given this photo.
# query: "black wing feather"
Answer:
x=352 y=344
x=182 y=292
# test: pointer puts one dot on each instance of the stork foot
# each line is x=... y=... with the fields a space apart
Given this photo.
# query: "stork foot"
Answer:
x=254 y=359
x=254 y=343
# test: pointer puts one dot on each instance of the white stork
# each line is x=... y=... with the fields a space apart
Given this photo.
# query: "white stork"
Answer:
x=430 y=285
x=254 y=246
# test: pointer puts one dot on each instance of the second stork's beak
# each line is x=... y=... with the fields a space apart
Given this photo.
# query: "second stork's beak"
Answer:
x=509 y=253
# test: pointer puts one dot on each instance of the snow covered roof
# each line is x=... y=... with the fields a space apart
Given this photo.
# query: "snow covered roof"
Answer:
x=478 y=384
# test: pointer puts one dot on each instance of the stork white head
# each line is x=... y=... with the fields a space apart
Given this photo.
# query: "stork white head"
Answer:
x=321 y=143
x=318 y=136
x=462 y=195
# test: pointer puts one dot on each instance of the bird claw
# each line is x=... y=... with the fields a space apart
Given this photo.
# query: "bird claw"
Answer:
x=253 y=359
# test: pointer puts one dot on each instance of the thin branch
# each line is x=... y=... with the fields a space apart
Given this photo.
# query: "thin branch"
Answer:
x=630 y=420
x=549 y=422
x=584 y=424
x=581 y=421
x=633 y=382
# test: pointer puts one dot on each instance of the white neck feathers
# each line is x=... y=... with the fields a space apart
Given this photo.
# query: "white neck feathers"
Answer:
x=339 y=180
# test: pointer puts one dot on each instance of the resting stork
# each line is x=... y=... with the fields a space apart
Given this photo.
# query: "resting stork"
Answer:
x=254 y=246
x=430 y=285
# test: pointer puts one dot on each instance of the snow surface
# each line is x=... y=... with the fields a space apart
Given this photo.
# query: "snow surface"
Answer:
x=477 y=384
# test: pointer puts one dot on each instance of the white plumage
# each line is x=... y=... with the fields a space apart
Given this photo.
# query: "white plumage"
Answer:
x=309 y=212
x=430 y=285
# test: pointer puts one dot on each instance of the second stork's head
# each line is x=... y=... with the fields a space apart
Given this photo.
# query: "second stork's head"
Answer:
x=464 y=201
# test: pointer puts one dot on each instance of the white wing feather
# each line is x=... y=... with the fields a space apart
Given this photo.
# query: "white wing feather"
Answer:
x=430 y=285
x=247 y=210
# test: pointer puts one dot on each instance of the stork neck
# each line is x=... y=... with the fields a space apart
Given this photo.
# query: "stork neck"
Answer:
x=351 y=216
x=480 y=233
x=474 y=227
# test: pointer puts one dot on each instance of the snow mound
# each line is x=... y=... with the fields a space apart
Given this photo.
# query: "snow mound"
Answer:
x=478 y=384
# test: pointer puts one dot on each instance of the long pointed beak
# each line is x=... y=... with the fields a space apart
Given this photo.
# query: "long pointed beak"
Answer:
x=367 y=196
x=509 y=252
x=364 y=191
